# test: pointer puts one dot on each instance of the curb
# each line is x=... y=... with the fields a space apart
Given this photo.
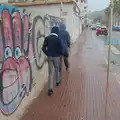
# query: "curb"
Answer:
x=114 y=50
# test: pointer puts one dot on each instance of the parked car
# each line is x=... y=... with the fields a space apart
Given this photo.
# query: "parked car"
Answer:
x=98 y=27
x=102 y=31
x=93 y=27
x=116 y=28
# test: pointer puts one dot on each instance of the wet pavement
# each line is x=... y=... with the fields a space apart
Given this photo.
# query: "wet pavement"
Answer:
x=84 y=93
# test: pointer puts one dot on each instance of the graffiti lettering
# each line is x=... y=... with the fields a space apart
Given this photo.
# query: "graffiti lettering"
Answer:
x=20 y=42
x=16 y=69
x=16 y=75
x=38 y=38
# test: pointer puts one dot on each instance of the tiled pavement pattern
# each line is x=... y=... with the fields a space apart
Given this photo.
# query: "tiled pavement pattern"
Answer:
x=83 y=94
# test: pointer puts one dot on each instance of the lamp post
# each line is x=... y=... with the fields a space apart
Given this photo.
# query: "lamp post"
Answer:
x=109 y=53
x=110 y=39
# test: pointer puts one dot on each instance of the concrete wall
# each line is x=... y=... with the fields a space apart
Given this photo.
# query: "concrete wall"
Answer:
x=77 y=27
x=23 y=70
x=3 y=1
x=73 y=22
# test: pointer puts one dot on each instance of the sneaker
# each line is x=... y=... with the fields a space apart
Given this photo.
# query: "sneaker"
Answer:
x=57 y=84
x=60 y=81
x=50 y=92
x=67 y=69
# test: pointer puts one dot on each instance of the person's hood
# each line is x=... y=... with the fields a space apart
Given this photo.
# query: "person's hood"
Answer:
x=62 y=27
x=55 y=30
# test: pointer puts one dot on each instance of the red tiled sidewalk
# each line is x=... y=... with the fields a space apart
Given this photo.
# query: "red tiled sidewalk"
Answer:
x=82 y=95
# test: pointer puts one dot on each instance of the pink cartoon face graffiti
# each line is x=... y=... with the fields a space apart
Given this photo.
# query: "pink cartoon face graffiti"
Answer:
x=16 y=77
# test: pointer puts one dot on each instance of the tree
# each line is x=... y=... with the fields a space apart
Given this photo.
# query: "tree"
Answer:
x=116 y=11
x=98 y=19
x=107 y=11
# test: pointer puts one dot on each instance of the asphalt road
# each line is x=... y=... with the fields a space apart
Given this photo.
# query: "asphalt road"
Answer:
x=114 y=58
x=116 y=35
x=84 y=93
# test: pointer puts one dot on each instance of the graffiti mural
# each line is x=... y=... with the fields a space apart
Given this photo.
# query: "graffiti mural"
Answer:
x=21 y=40
x=38 y=36
x=16 y=72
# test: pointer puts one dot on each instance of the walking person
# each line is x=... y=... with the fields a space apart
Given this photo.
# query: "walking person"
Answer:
x=53 y=49
x=65 y=39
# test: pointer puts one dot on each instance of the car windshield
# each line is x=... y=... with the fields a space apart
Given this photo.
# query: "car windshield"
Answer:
x=104 y=27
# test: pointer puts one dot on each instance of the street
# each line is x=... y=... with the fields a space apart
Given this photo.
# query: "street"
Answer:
x=84 y=93
x=115 y=56
x=34 y=35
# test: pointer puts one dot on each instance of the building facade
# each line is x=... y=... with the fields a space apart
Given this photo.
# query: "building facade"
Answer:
x=22 y=33
x=73 y=12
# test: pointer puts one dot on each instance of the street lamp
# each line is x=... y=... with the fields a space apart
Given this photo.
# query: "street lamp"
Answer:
x=109 y=53
x=110 y=39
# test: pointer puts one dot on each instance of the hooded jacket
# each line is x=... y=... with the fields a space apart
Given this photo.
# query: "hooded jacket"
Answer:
x=64 y=35
x=65 y=38
x=52 y=46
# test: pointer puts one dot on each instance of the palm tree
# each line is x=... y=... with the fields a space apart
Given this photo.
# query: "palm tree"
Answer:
x=107 y=11
x=116 y=11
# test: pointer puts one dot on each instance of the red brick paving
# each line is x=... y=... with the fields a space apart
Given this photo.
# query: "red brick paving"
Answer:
x=82 y=95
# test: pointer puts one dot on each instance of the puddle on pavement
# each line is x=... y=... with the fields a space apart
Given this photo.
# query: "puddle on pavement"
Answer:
x=114 y=62
x=89 y=48
x=103 y=65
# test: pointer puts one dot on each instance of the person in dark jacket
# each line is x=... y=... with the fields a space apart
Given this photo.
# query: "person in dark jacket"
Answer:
x=52 y=47
x=65 y=39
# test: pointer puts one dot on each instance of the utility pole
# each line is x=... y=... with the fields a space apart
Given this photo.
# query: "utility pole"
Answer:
x=110 y=39
x=109 y=53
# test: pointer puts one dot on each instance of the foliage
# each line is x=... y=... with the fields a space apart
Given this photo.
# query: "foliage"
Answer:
x=116 y=8
x=116 y=12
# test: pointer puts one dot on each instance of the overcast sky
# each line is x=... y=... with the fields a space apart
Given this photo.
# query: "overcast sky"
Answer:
x=97 y=4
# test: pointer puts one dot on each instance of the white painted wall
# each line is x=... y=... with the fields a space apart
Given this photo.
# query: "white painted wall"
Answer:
x=83 y=11
x=40 y=76
x=3 y=1
x=72 y=21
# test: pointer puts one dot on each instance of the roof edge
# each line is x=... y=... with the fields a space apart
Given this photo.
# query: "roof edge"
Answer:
x=23 y=4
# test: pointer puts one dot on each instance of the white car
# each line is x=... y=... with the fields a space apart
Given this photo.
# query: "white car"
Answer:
x=93 y=27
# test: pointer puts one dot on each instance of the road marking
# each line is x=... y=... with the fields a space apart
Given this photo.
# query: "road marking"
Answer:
x=106 y=61
x=117 y=76
x=115 y=50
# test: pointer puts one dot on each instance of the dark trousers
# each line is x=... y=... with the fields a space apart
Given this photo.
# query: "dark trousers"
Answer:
x=66 y=65
x=53 y=69
x=66 y=62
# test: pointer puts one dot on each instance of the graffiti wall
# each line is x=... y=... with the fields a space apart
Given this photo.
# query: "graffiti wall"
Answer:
x=21 y=40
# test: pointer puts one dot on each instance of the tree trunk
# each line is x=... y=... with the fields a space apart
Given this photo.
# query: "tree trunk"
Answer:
x=118 y=19
x=114 y=19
